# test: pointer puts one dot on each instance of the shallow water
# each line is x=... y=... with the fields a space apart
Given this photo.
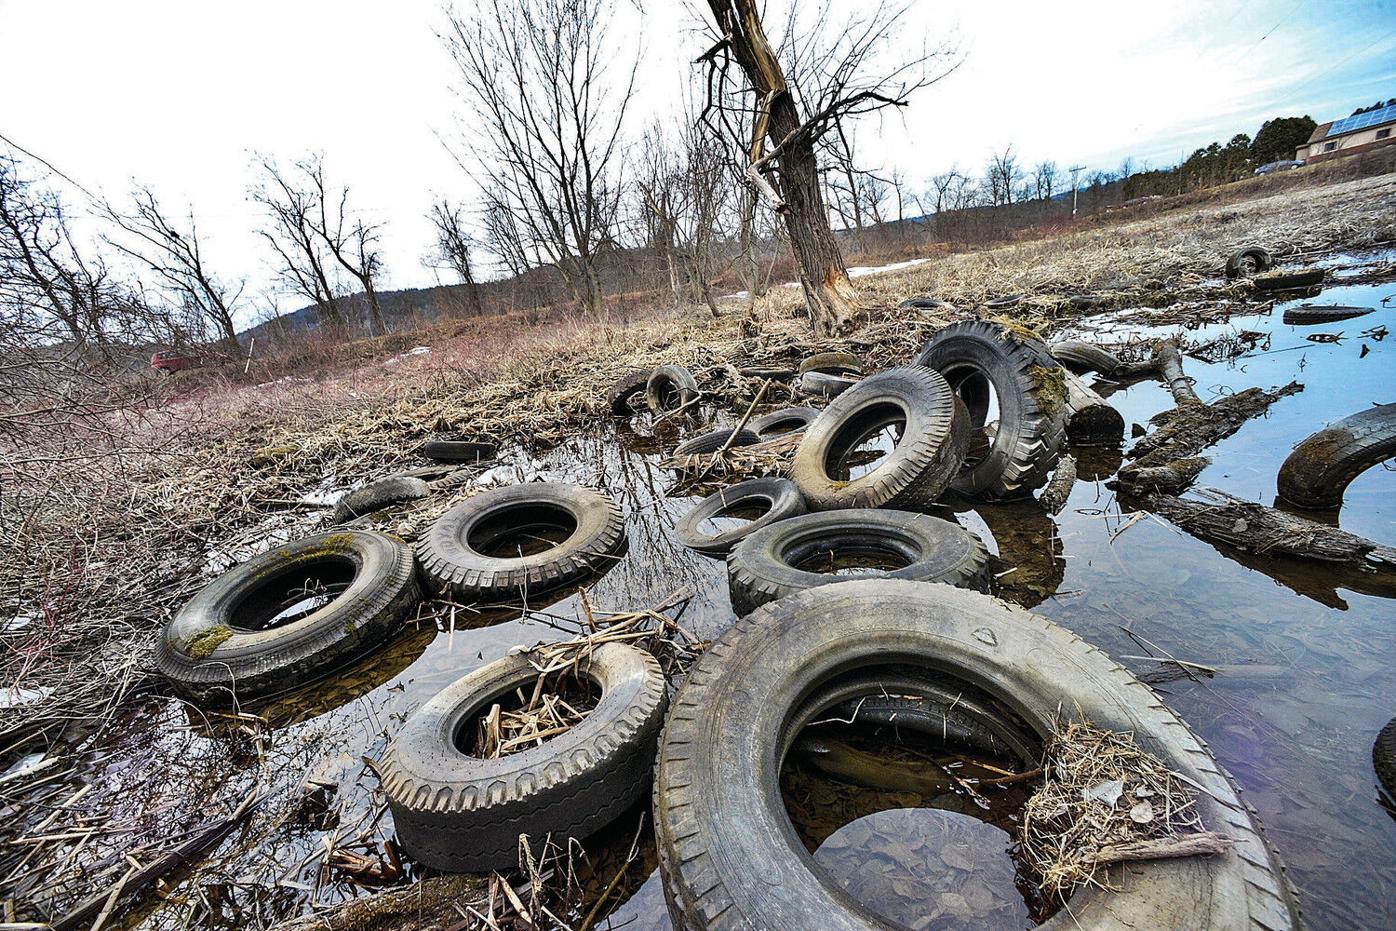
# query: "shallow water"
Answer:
x=1296 y=734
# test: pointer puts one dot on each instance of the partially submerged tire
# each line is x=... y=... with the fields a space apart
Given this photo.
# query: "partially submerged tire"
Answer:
x=520 y=539
x=729 y=856
x=1079 y=357
x=714 y=440
x=669 y=388
x=1317 y=473
x=825 y=384
x=1309 y=314
x=784 y=421
x=448 y=449
x=832 y=363
x=762 y=501
x=1247 y=262
x=462 y=813
x=1384 y=757
x=627 y=387
x=289 y=616
x=395 y=489
x=932 y=433
x=1288 y=281
x=982 y=360
x=800 y=553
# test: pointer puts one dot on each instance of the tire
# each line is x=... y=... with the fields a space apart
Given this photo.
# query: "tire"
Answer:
x=782 y=422
x=444 y=449
x=780 y=497
x=714 y=440
x=728 y=857
x=1317 y=473
x=1288 y=281
x=465 y=814
x=825 y=385
x=670 y=387
x=205 y=652
x=452 y=563
x=1247 y=262
x=930 y=448
x=773 y=372
x=833 y=363
x=1032 y=404
x=375 y=495
x=1384 y=757
x=1080 y=357
x=925 y=303
x=763 y=567
x=1307 y=314
x=1003 y=303
x=627 y=387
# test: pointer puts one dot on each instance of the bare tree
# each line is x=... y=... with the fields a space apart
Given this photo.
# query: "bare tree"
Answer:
x=823 y=81
x=312 y=233
x=1002 y=176
x=175 y=256
x=454 y=246
x=548 y=118
x=1045 y=179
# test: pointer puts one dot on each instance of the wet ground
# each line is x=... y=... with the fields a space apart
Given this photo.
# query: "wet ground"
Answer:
x=1308 y=681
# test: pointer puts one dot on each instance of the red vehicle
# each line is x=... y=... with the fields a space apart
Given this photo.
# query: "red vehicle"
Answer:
x=169 y=361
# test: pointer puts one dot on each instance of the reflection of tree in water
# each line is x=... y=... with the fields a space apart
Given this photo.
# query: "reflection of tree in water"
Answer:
x=1029 y=567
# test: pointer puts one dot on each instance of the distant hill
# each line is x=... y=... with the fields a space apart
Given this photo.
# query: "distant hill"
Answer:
x=399 y=307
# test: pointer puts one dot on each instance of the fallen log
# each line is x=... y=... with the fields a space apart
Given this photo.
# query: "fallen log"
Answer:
x=1091 y=420
x=1255 y=528
x=429 y=905
x=1168 y=361
x=1058 y=489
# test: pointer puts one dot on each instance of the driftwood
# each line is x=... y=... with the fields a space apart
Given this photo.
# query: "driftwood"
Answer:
x=1262 y=530
x=1201 y=844
x=1168 y=362
x=1053 y=497
x=429 y=905
x=1092 y=421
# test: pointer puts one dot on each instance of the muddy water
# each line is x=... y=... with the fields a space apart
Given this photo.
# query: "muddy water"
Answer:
x=1295 y=728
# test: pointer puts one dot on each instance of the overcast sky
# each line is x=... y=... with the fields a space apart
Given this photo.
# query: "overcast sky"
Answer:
x=179 y=94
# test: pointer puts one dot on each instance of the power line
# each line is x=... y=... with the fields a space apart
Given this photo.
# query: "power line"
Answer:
x=46 y=163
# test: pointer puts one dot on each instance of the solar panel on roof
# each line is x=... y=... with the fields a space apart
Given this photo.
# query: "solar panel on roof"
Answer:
x=1362 y=120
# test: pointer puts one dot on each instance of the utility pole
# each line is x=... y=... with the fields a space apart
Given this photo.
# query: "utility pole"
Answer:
x=1075 y=170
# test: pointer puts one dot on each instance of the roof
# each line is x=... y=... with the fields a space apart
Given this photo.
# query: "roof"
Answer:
x=1319 y=132
x=1359 y=121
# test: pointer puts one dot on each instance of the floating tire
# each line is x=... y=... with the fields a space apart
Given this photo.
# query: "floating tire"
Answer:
x=728 y=857
x=785 y=421
x=782 y=558
x=1318 y=471
x=981 y=359
x=833 y=363
x=1309 y=314
x=1079 y=357
x=930 y=447
x=395 y=489
x=1289 y=281
x=1247 y=262
x=628 y=387
x=234 y=639
x=1384 y=757
x=825 y=384
x=767 y=500
x=669 y=388
x=461 y=813
x=446 y=449
x=464 y=552
x=714 y=440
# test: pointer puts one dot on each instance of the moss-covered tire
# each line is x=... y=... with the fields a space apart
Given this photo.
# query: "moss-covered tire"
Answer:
x=456 y=553
x=930 y=447
x=776 y=499
x=729 y=856
x=669 y=388
x=770 y=563
x=1384 y=757
x=629 y=386
x=395 y=489
x=1318 y=471
x=982 y=359
x=462 y=813
x=220 y=646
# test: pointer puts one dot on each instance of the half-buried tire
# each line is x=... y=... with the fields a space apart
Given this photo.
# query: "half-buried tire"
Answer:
x=931 y=433
x=1248 y=261
x=670 y=388
x=812 y=550
x=289 y=616
x=1317 y=473
x=728 y=854
x=761 y=501
x=510 y=542
x=395 y=489
x=463 y=813
x=714 y=440
x=982 y=361
x=628 y=387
